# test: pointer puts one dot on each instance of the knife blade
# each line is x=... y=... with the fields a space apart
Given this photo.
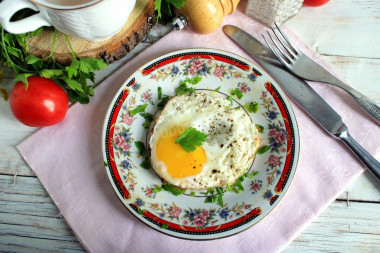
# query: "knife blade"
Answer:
x=303 y=94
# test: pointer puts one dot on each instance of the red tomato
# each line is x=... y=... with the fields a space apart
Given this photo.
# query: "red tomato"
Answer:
x=43 y=103
x=314 y=3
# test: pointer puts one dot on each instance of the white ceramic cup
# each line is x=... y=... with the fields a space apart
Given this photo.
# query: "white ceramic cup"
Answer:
x=93 y=20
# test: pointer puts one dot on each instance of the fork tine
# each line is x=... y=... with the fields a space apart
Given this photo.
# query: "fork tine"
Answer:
x=279 y=48
x=281 y=59
x=284 y=45
x=294 y=48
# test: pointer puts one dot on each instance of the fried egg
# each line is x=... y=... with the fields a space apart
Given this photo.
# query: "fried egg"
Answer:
x=227 y=153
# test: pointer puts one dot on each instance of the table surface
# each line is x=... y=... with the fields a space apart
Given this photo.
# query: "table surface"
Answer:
x=345 y=33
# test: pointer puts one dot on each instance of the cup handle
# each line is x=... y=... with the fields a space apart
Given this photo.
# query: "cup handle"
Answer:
x=9 y=7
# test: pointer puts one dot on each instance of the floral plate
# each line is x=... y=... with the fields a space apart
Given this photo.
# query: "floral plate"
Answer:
x=187 y=215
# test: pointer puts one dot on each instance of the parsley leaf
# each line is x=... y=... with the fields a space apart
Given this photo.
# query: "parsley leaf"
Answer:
x=148 y=119
x=49 y=73
x=217 y=193
x=23 y=78
x=140 y=147
x=260 y=128
x=183 y=89
x=86 y=65
x=163 y=102
x=159 y=91
x=163 y=7
x=211 y=199
x=190 y=139
x=252 y=107
x=72 y=70
x=173 y=189
x=195 y=80
x=138 y=109
x=14 y=54
x=146 y=163
x=230 y=98
x=263 y=149
x=238 y=93
x=31 y=59
x=169 y=188
x=73 y=84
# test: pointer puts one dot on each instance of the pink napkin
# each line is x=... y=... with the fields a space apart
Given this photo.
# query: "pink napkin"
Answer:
x=74 y=176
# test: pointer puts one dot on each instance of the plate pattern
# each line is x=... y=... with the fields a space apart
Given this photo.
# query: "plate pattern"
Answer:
x=187 y=216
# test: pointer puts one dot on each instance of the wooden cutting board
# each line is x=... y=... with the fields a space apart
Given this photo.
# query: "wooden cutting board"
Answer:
x=138 y=25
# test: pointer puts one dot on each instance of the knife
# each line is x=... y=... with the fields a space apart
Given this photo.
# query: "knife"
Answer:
x=303 y=94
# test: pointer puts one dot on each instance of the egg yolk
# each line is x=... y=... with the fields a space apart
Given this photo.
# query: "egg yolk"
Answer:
x=179 y=163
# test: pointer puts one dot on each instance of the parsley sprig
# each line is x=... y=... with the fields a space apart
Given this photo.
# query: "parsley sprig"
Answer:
x=74 y=78
x=252 y=107
x=236 y=92
x=183 y=89
x=216 y=194
x=164 y=7
x=169 y=188
x=190 y=139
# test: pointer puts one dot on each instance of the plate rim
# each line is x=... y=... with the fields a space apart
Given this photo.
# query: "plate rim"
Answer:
x=225 y=53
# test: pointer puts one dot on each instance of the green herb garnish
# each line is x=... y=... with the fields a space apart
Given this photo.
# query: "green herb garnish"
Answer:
x=230 y=98
x=260 y=128
x=146 y=164
x=220 y=196
x=159 y=91
x=252 y=107
x=218 y=192
x=190 y=139
x=236 y=92
x=138 y=109
x=169 y=188
x=183 y=89
x=148 y=119
x=163 y=102
x=195 y=80
x=263 y=149
x=140 y=147
x=173 y=189
x=211 y=199
x=163 y=226
x=164 y=7
x=73 y=78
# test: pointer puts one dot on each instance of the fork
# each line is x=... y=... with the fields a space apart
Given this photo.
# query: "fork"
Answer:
x=302 y=66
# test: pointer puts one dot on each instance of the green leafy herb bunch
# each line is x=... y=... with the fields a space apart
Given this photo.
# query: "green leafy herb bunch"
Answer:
x=73 y=78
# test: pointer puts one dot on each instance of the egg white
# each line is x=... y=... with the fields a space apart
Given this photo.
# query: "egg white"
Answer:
x=230 y=147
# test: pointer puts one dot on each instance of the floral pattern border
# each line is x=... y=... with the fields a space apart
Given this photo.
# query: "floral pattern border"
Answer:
x=199 y=217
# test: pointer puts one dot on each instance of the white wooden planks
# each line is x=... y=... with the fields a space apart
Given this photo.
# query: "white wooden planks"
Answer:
x=342 y=228
x=30 y=222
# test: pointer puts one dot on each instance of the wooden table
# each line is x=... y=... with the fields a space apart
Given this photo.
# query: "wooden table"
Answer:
x=345 y=33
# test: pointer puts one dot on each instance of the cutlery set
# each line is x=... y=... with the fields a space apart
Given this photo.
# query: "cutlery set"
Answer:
x=304 y=67
x=298 y=68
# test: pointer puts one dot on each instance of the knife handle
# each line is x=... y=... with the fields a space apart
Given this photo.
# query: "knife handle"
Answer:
x=369 y=161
